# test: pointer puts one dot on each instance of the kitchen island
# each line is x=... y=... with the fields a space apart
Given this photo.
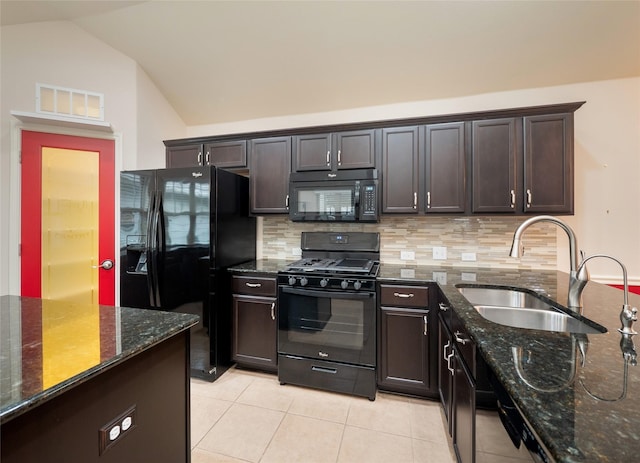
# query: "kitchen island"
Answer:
x=93 y=383
x=577 y=392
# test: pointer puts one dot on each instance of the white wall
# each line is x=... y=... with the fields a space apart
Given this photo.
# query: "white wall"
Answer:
x=60 y=53
x=607 y=157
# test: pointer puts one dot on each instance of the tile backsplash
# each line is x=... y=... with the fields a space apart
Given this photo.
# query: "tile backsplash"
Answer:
x=488 y=237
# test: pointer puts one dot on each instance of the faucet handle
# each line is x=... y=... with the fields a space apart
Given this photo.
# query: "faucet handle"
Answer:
x=628 y=315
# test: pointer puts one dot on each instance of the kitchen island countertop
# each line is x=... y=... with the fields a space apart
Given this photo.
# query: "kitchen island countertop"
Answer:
x=50 y=347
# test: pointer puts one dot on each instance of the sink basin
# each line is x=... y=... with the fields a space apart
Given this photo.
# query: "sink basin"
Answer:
x=520 y=309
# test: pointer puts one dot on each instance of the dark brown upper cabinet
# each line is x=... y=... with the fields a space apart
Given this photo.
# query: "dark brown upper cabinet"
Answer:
x=229 y=154
x=548 y=163
x=495 y=166
x=270 y=166
x=184 y=155
x=445 y=168
x=400 y=170
x=334 y=151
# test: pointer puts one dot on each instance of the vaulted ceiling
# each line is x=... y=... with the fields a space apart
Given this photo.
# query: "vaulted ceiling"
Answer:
x=222 y=61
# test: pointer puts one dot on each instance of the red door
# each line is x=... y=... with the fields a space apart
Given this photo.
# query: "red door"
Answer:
x=67 y=218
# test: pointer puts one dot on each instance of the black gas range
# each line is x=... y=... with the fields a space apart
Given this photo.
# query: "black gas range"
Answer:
x=327 y=313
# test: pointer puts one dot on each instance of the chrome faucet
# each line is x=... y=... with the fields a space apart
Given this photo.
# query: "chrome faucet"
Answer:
x=628 y=314
x=576 y=285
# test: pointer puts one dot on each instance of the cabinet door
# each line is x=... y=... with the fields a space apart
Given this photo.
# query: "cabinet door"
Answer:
x=184 y=156
x=464 y=420
x=445 y=168
x=255 y=331
x=494 y=165
x=270 y=165
x=400 y=167
x=548 y=163
x=226 y=154
x=355 y=150
x=445 y=377
x=403 y=355
x=312 y=152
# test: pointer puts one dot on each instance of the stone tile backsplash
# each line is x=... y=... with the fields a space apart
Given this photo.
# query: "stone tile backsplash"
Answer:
x=488 y=237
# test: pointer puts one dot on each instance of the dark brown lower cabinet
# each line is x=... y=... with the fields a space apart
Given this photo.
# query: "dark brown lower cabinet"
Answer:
x=405 y=341
x=403 y=364
x=255 y=322
x=456 y=385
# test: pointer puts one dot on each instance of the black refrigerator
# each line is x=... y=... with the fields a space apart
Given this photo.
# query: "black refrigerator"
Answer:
x=180 y=229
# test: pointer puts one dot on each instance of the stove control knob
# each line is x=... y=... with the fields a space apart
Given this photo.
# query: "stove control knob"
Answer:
x=357 y=285
x=292 y=281
x=324 y=282
x=344 y=284
x=303 y=281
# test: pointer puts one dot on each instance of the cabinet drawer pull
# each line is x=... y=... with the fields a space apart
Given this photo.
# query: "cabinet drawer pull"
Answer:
x=462 y=341
x=328 y=158
x=415 y=200
x=286 y=201
x=403 y=295
x=207 y=158
x=528 y=197
x=513 y=199
x=444 y=307
x=339 y=158
x=199 y=158
x=428 y=200
x=254 y=285
x=425 y=324
x=273 y=311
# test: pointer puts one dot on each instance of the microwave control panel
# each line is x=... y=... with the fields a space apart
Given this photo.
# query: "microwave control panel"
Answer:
x=369 y=200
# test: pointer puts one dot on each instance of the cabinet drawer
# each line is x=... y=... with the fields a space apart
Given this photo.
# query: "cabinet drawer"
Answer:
x=255 y=286
x=462 y=340
x=404 y=296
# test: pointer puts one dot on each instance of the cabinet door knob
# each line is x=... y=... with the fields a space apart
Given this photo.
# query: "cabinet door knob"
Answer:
x=444 y=350
x=199 y=158
x=513 y=199
x=425 y=325
x=528 y=198
x=328 y=158
x=339 y=158
x=444 y=307
x=415 y=200
x=428 y=200
x=273 y=311
x=207 y=158
x=451 y=370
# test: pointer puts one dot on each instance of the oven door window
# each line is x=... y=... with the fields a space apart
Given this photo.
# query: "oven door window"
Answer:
x=335 y=326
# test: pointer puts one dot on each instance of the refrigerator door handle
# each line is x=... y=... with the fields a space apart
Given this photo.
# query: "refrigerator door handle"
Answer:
x=160 y=237
x=151 y=248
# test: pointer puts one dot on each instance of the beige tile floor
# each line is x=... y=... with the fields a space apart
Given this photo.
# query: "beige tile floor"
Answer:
x=247 y=416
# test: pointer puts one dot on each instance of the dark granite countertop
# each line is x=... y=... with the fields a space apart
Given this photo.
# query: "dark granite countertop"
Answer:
x=583 y=408
x=264 y=266
x=49 y=347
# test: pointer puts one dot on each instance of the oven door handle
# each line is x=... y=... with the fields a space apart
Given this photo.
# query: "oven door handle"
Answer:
x=316 y=293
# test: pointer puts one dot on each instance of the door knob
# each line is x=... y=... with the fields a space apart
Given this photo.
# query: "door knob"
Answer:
x=106 y=264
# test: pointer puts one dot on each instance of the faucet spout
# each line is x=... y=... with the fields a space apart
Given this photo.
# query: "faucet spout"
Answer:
x=576 y=284
x=628 y=314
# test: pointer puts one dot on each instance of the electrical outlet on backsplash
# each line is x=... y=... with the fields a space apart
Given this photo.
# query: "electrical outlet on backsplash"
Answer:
x=489 y=238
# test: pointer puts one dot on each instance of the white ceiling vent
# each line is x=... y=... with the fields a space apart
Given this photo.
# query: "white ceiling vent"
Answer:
x=69 y=102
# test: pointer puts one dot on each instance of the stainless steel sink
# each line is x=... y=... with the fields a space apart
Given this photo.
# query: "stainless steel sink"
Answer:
x=520 y=309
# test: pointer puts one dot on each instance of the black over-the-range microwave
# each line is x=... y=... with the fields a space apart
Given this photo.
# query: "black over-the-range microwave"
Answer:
x=341 y=196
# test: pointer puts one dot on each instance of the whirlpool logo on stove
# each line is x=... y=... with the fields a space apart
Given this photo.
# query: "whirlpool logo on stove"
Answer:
x=196 y=174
